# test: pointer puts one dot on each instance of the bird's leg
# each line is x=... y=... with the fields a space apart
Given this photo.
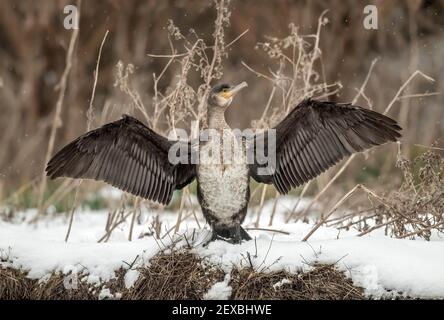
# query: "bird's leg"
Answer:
x=232 y=234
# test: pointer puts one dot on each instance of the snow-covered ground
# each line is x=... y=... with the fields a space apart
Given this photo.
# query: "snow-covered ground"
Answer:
x=381 y=265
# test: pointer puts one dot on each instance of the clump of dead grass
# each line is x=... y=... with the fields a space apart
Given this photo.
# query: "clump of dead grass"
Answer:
x=417 y=207
x=177 y=275
x=15 y=285
x=180 y=274
x=323 y=282
x=54 y=289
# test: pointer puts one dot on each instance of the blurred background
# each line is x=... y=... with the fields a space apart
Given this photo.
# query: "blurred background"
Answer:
x=33 y=46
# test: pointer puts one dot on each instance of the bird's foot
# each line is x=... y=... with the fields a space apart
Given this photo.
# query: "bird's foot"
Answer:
x=232 y=234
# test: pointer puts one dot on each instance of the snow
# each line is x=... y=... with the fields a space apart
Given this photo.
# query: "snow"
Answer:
x=105 y=293
x=378 y=264
x=109 y=192
x=383 y=266
x=131 y=277
x=280 y=283
x=219 y=290
x=41 y=249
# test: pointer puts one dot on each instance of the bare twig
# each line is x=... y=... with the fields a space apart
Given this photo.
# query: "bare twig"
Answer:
x=181 y=208
x=90 y=113
x=273 y=210
x=429 y=147
x=108 y=233
x=57 y=115
x=261 y=205
x=401 y=89
x=294 y=210
x=419 y=95
x=90 y=118
x=332 y=210
x=74 y=207
x=364 y=84
x=133 y=219
x=267 y=229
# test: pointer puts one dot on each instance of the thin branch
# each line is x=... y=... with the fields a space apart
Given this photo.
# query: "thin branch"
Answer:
x=364 y=84
x=293 y=211
x=273 y=210
x=260 y=75
x=267 y=229
x=73 y=209
x=401 y=89
x=133 y=219
x=261 y=205
x=421 y=230
x=90 y=118
x=429 y=147
x=335 y=207
x=90 y=113
x=181 y=208
x=108 y=233
x=316 y=49
x=57 y=122
x=377 y=227
x=184 y=54
x=419 y=95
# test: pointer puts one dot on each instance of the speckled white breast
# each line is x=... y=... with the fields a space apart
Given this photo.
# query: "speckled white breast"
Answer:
x=223 y=179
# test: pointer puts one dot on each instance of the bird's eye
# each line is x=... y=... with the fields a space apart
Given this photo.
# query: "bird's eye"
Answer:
x=225 y=90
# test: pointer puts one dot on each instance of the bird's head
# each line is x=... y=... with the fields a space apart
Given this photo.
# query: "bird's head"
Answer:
x=222 y=95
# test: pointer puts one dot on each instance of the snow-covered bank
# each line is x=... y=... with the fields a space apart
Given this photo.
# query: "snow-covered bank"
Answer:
x=375 y=262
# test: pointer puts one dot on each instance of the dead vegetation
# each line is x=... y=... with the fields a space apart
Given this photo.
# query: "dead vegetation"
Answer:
x=416 y=209
x=178 y=275
x=183 y=275
x=323 y=282
x=15 y=285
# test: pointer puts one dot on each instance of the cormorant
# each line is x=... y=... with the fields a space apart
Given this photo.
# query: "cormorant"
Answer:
x=314 y=136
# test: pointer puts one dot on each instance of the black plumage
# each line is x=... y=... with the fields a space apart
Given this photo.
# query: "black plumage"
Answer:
x=316 y=135
x=127 y=155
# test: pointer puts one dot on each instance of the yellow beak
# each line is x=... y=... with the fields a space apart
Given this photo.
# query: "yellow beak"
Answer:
x=234 y=90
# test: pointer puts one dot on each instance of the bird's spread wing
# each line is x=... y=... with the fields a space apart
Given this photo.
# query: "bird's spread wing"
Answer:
x=127 y=155
x=316 y=135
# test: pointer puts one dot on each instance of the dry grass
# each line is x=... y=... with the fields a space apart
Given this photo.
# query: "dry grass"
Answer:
x=15 y=285
x=183 y=275
x=323 y=282
x=178 y=275
x=415 y=209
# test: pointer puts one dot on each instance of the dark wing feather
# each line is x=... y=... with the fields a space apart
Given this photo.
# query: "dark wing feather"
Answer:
x=316 y=135
x=127 y=155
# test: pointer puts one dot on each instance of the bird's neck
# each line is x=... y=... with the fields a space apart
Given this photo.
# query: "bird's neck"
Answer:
x=216 y=119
